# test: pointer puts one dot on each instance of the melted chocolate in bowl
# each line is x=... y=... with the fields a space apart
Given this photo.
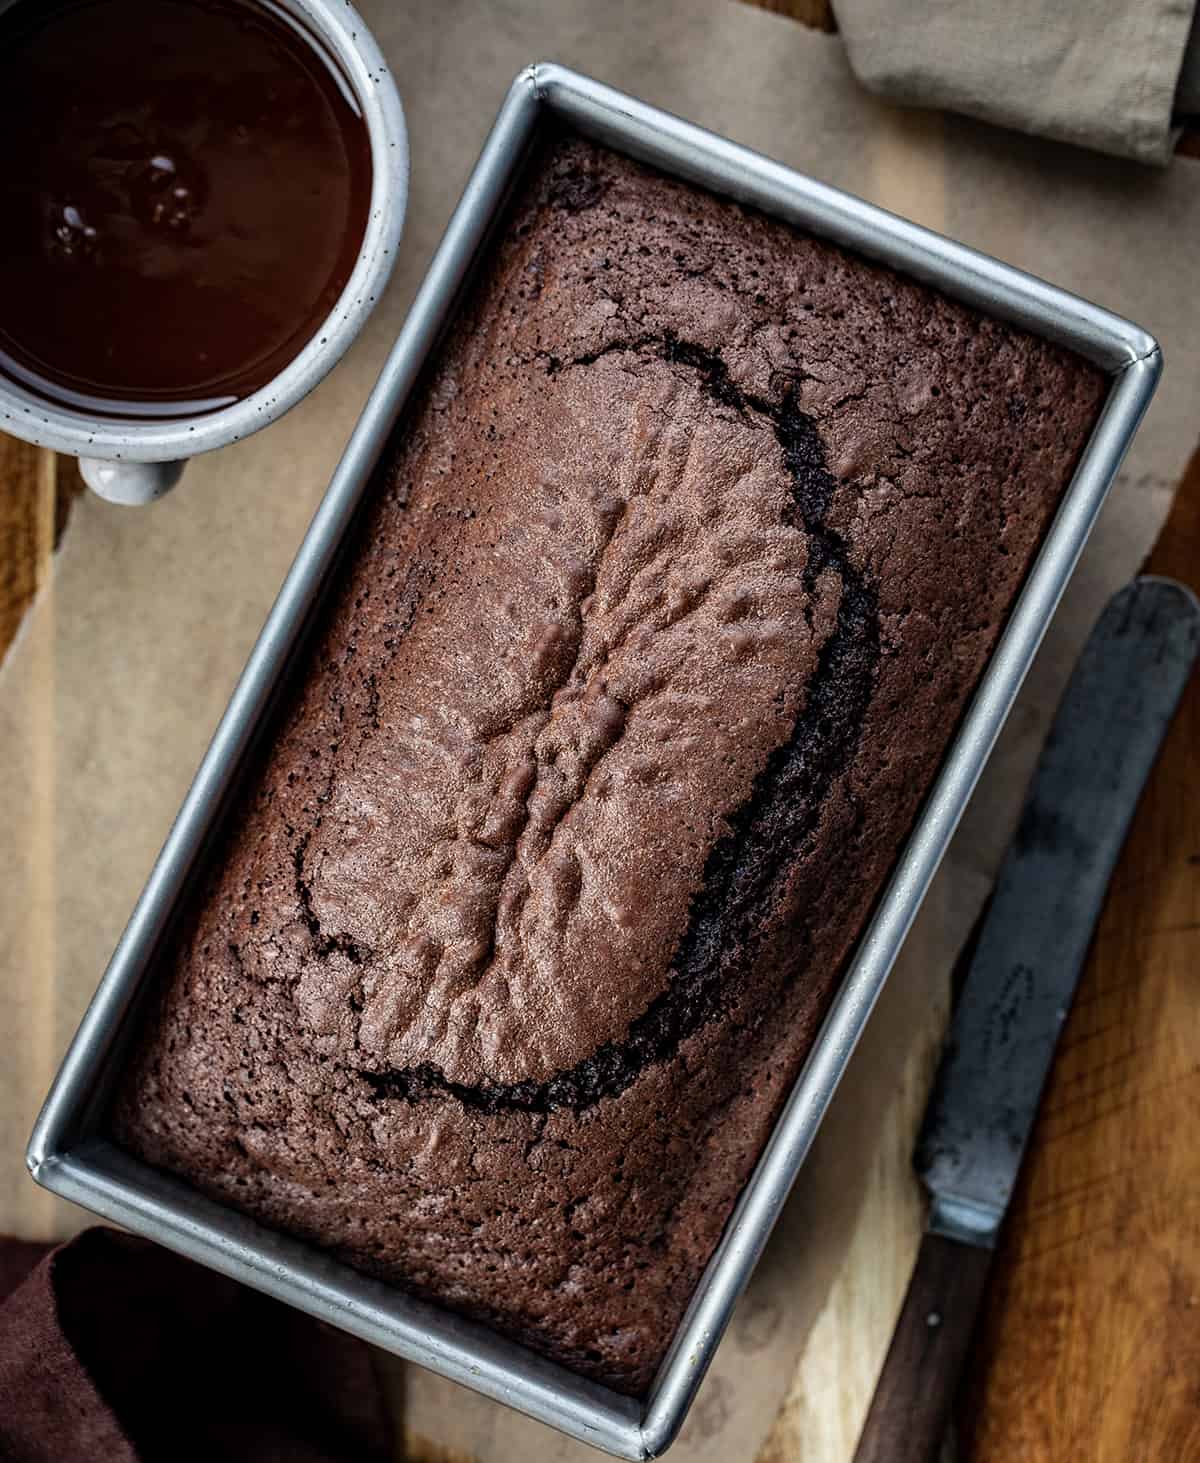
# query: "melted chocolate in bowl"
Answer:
x=184 y=190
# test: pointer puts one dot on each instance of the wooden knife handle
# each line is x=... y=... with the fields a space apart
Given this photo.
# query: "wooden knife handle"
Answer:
x=916 y=1388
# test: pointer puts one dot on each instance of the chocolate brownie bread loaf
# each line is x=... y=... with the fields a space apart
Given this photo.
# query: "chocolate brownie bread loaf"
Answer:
x=688 y=555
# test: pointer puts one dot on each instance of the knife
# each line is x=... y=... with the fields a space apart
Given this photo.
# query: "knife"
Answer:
x=1019 y=986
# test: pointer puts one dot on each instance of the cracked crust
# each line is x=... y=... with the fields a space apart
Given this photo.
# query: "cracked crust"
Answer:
x=684 y=567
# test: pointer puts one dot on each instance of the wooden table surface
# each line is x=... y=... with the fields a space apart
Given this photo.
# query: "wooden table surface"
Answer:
x=1091 y=1344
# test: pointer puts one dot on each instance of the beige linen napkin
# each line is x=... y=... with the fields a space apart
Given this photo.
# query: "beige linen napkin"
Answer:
x=1101 y=73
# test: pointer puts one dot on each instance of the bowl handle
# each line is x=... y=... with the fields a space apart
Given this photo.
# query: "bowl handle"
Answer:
x=130 y=483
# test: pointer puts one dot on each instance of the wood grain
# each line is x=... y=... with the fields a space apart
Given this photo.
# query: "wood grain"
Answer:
x=27 y=475
x=1091 y=1344
x=20 y=486
x=816 y=14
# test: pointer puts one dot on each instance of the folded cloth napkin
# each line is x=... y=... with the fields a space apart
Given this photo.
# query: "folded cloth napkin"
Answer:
x=115 y=1351
x=1108 y=74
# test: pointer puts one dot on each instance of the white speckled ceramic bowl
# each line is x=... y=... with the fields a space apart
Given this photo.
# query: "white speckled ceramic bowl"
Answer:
x=139 y=461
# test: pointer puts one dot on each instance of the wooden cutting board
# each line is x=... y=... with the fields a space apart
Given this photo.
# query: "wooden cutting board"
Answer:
x=1090 y=1346
x=36 y=491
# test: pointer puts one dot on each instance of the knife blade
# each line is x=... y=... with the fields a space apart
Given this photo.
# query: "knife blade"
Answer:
x=1105 y=736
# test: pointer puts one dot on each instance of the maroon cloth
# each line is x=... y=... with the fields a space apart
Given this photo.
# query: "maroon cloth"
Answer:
x=115 y=1351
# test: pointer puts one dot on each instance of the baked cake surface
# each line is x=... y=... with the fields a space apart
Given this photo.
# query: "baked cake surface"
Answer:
x=686 y=561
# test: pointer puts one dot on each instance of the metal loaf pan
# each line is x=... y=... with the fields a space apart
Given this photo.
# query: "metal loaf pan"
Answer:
x=68 y=1152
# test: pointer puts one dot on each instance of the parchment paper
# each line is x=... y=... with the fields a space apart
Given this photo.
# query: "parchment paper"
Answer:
x=112 y=691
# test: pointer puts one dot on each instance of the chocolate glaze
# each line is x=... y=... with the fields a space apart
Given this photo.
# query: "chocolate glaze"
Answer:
x=184 y=187
x=687 y=558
